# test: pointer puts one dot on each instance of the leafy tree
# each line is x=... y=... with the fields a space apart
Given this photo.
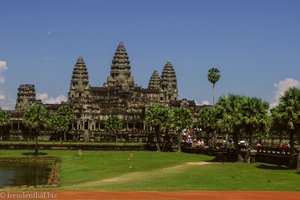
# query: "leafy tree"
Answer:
x=113 y=125
x=207 y=120
x=60 y=120
x=35 y=116
x=4 y=120
x=239 y=115
x=277 y=127
x=67 y=113
x=55 y=123
x=255 y=117
x=229 y=115
x=287 y=113
x=213 y=77
x=166 y=126
x=157 y=115
x=182 y=118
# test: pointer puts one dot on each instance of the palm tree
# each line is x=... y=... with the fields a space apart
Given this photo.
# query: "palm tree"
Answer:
x=287 y=113
x=229 y=115
x=277 y=126
x=182 y=118
x=113 y=125
x=207 y=120
x=157 y=115
x=35 y=116
x=255 y=117
x=213 y=77
x=4 y=120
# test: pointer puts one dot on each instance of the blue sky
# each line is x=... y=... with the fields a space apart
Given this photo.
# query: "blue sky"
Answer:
x=255 y=44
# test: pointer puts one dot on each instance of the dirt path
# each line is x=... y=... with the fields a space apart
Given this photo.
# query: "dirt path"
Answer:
x=193 y=195
x=175 y=195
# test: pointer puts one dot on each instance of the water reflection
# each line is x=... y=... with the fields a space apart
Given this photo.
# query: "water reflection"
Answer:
x=24 y=173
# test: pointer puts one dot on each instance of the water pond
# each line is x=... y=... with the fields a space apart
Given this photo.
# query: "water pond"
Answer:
x=30 y=173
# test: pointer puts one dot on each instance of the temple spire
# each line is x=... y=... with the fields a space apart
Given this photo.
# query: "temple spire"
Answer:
x=120 y=73
x=80 y=61
x=80 y=80
x=154 y=82
x=26 y=96
x=169 y=82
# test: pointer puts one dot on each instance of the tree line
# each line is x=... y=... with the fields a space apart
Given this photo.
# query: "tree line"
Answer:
x=36 y=116
x=233 y=116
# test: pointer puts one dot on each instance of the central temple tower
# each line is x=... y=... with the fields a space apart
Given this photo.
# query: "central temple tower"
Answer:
x=120 y=74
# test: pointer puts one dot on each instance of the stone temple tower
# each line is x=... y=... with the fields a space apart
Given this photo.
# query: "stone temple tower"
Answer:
x=120 y=73
x=79 y=86
x=169 y=82
x=25 y=96
x=79 y=98
x=154 y=82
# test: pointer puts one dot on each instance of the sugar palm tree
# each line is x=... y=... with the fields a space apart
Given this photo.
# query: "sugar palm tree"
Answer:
x=287 y=113
x=35 y=116
x=255 y=117
x=207 y=120
x=213 y=77
x=157 y=115
x=229 y=115
x=4 y=120
x=182 y=118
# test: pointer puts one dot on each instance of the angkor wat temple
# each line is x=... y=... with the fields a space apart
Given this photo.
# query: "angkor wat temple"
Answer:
x=119 y=95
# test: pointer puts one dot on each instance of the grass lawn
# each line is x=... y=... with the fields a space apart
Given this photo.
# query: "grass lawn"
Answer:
x=141 y=170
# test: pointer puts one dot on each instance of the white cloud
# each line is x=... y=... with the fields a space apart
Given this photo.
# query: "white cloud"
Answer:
x=2 y=96
x=205 y=102
x=7 y=103
x=50 y=100
x=281 y=87
x=3 y=64
x=3 y=67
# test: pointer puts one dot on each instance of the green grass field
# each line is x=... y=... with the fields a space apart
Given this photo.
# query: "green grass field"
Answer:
x=141 y=170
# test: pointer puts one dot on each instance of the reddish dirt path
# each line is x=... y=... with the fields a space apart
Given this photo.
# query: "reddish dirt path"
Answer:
x=176 y=195
x=211 y=195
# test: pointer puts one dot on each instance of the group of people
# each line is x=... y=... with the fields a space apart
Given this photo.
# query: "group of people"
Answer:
x=199 y=143
x=283 y=145
x=190 y=136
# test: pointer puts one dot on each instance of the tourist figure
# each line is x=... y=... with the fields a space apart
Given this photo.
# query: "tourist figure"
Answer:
x=202 y=143
x=281 y=146
x=258 y=146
